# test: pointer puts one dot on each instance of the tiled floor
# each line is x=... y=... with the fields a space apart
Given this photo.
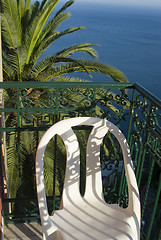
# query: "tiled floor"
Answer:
x=23 y=231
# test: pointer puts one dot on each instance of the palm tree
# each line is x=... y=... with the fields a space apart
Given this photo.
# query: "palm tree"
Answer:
x=26 y=34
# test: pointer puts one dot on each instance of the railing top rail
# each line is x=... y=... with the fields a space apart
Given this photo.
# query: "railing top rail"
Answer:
x=19 y=85
x=148 y=95
x=64 y=84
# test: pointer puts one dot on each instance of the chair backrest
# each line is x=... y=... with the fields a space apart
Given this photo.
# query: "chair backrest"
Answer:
x=93 y=189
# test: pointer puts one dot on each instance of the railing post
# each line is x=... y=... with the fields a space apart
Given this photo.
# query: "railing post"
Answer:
x=154 y=209
x=18 y=125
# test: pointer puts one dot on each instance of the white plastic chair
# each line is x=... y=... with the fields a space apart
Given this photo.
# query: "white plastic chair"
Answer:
x=88 y=217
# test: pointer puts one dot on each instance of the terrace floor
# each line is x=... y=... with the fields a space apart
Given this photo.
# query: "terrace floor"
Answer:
x=23 y=231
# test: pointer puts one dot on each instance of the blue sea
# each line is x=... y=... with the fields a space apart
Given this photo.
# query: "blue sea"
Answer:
x=129 y=39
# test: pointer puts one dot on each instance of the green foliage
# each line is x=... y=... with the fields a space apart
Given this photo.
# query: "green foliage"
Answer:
x=26 y=34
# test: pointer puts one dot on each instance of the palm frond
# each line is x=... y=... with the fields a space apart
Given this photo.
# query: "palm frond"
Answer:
x=65 y=32
x=48 y=62
x=49 y=40
x=9 y=7
x=47 y=36
x=12 y=156
x=52 y=25
x=11 y=34
x=21 y=8
x=7 y=73
x=10 y=10
x=16 y=57
x=43 y=4
x=27 y=5
x=90 y=66
x=68 y=79
x=28 y=16
x=67 y=5
x=49 y=165
x=83 y=47
x=37 y=26
x=7 y=67
x=32 y=13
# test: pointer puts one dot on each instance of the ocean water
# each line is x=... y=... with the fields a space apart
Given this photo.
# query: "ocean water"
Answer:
x=129 y=39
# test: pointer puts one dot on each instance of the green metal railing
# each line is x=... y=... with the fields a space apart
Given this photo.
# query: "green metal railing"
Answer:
x=30 y=108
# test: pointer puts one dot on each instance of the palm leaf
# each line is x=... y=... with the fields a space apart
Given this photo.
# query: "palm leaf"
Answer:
x=90 y=66
x=47 y=36
x=10 y=33
x=83 y=47
x=48 y=62
x=32 y=13
x=49 y=165
x=9 y=7
x=21 y=8
x=49 y=40
x=52 y=25
x=27 y=5
x=43 y=4
x=17 y=60
x=37 y=26
x=28 y=153
x=10 y=10
x=65 y=32
x=12 y=156
x=67 y=5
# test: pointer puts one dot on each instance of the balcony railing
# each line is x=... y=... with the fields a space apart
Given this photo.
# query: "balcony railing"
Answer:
x=30 y=108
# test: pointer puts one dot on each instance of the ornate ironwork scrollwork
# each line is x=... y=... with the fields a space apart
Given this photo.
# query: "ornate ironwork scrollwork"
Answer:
x=37 y=98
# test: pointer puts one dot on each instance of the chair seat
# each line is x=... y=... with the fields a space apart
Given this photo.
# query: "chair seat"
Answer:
x=92 y=221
